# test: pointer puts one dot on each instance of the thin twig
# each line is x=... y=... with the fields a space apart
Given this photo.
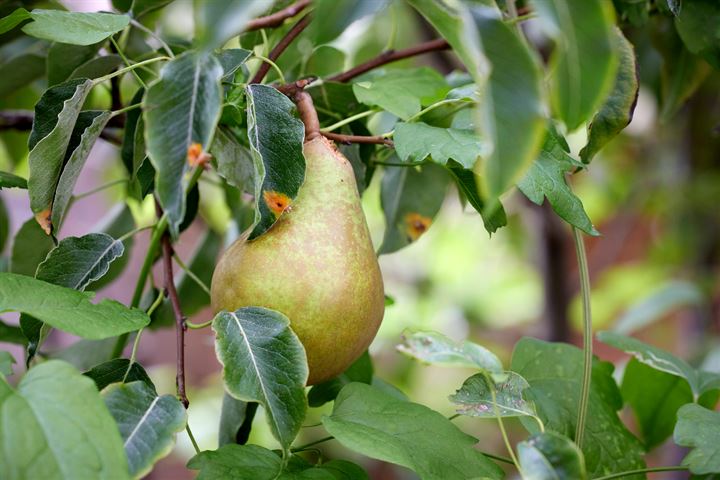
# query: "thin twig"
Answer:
x=584 y=274
x=348 y=139
x=281 y=46
x=389 y=57
x=180 y=326
x=276 y=19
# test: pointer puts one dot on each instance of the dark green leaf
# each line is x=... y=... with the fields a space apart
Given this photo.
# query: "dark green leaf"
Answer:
x=148 y=423
x=13 y=20
x=236 y=462
x=468 y=183
x=411 y=198
x=554 y=372
x=55 y=115
x=66 y=309
x=402 y=92
x=335 y=97
x=86 y=354
x=116 y=370
x=662 y=360
x=231 y=59
x=437 y=349
x=549 y=456
x=97 y=67
x=360 y=371
x=698 y=23
x=63 y=59
x=276 y=138
x=132 y=150
x=699 y=429
x=20 y=71
x=6 y=363
x=77 y=28
x=617 y=111
x=475 y=398
x=141 y=7
x=11 y=334
x=4 y=234
x=236 y=419
x=236 y=164
x=87 y=130
x=217 y=22
x=118 y=222
x=511 y=107
x=54 y=403
x=264 y=361
x=181 y=109
x=9 y=180
x=546 y=178
x=335 y=17
x=383 y=427
x=655 y=398
x=30 y=247
x=584 y=61
x=417 y=141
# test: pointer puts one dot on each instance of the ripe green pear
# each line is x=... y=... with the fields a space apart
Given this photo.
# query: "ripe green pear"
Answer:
x=316 y=265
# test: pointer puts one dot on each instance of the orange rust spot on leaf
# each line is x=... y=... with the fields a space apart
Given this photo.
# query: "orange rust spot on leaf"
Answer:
x=277 y=202
x=43 y=219
x=196 y=156
x=416 y=225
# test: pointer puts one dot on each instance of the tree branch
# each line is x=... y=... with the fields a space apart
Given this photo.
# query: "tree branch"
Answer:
x=281 y=46
x=22 y=120
x=180 y=326
x=389 y=57
x=348 y=139
x=276 y=19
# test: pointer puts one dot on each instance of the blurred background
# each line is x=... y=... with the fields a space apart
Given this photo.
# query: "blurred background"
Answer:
x=653 y=193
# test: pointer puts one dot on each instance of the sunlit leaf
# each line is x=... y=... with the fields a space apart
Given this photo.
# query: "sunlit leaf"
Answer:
x=11 y=21
x=77 y=28
x=417 y=141
x=437 y=349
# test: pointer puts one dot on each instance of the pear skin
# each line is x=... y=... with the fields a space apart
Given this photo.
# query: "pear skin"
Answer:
x=316 y=265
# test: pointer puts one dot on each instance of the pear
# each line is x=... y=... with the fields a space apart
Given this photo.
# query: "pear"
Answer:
x=316 y=265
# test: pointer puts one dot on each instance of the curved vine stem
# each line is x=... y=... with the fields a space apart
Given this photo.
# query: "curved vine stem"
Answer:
x=587 y=335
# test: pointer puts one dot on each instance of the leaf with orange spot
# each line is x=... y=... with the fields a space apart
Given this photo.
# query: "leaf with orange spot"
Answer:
x=416 y=225
x=196 y=156
x=43 y=219
x=277 y=202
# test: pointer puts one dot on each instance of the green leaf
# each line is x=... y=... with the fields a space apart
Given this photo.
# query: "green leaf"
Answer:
x=77 y=261
x=192 y=297
x=335 y=97
x=30 y=247
x=617 y=111
x=264 y=361
x=182 y=108
x=116 y=370
x=549 y=456
x=97 y=67
x=74 y=27
x=475 y=397
x=11 y=334
x=9 y=180
x=698 y=24
x=66 y=309
x=360 y=371
x=337 y=17
x=55 y=115
x=236 y=164
x=236 y=419
x=655 y=398
x=276 y=139
x=468 y=184
x=52 y=404
x=383 y=427
x=660 y=359
x=231 y=60
x=584 y=62
x=437 y=349
x=20 y=71
x=699 y=429
x=416 y=141
x=236 y=462
x=546 y=179
x=133 y=151
x=511 y=108
x=411 y=197
x=148 y=423
x=456 y=25
x=11 y=21
x=554 y=372
x=6 y=363
x=117 y=222
x=63 y=59
x=402 y=92
x=87 y=130
x=86 y=354
x=218 y=22
x=142 y=7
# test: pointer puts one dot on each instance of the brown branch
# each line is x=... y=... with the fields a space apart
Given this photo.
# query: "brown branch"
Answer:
x=389 y=57
x=180 y=326
x=276 y=19
x=348 y=139
x=281 y=46
x=22 y=120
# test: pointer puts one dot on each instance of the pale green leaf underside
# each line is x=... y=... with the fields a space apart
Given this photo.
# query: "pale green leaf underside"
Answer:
x=77 y=28
x=699 y=429
x=417 y=141
x=435 y=348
